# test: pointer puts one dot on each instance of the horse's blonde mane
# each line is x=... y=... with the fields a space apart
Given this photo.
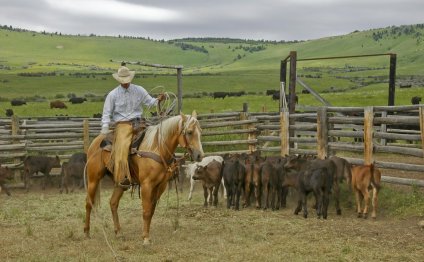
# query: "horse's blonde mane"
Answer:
x=163 y=129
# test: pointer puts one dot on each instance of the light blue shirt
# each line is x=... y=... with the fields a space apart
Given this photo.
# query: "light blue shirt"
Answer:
x=125 y=104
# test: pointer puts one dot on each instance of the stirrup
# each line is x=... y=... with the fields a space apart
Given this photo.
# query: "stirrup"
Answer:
x=125 y=184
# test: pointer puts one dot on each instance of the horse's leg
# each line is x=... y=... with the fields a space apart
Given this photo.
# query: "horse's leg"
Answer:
x=374 y=202
x=150 y=195
x=258 y=195
x=114 y=203
x=92 y=187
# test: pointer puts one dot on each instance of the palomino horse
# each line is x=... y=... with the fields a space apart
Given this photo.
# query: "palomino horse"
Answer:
x=149 y=166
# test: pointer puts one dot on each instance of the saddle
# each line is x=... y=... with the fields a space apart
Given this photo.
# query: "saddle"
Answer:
x=139 y=130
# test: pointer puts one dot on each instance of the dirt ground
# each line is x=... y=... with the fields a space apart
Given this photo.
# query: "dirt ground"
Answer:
x=48 y=226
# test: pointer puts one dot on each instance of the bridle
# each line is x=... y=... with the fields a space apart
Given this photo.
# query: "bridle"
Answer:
x=184 y=127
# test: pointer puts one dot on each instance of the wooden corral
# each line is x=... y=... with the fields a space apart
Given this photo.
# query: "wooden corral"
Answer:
x=358 y=134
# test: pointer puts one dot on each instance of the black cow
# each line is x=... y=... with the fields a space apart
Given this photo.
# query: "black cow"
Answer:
x=97 y=115
x=304 y=91
x=77 y=100
x=43 y=164
x=416 y=100
x=271 y=92
x=5 y=173
x=234 y=173
x=9 y=112
x=73 y=169
x=220 y=95
x=17 y=102
x=276 y=96
x=315 y=176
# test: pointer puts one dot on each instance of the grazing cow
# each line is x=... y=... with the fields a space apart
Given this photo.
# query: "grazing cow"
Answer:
x=57 y=104
x=77 y=100
x=313 y=176
x=97 y=115
x=9 y=112
x=234 y=174
x=5 y=173
x=363 y=179
x=276 y=96
x=211 y=180
x=219 y=95
x=191 y=168
x=73 y=169
x=270 y=92
x=305 y=91
x=43 y=164
x=17 y=102
x=416 y=100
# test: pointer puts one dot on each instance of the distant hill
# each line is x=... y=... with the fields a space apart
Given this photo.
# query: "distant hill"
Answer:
x=80 y=64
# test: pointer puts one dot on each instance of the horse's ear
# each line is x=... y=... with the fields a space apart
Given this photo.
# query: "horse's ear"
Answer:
x=194 y=114
x=184 y=117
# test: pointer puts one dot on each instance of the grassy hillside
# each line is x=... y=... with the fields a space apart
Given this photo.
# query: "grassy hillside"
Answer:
x=54 y=65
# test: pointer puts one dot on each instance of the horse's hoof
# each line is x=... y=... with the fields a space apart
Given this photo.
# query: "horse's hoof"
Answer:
x=365 y=216
x=359 y=215
x=339 y=212
x=146 y=242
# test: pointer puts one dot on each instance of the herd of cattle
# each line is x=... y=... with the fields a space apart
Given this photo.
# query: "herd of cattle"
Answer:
x=72 y=171
x=266 y=181
x=245 y=178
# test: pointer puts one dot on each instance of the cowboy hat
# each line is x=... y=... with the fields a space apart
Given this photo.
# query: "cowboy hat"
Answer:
x=124 y=75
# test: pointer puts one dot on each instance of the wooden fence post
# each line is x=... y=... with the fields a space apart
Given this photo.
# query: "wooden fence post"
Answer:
x=322 y=133
x=422 y=127
x=368 y=134
x=383 y=129
x=86 y=134
x=15 y=131
x=284 y=133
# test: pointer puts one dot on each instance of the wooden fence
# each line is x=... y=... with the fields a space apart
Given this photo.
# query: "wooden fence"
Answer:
x=361 y=135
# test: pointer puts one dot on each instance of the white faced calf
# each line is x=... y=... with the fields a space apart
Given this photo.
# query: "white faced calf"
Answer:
x=211 y=179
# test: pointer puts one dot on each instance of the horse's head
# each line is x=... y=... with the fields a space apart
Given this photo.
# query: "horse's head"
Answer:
x=189 y=137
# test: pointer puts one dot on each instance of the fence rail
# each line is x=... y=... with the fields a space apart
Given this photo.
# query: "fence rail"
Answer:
x=367 y=132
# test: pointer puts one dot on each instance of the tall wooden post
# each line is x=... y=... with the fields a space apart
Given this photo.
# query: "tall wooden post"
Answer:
x=283 y=79
x=86 y=134
x=284 y=133
x=368 y=134
x=292 y=84
x=322 y=133
x=180 y=89
x=392 y=80
x=422 y=127
x=15 y=132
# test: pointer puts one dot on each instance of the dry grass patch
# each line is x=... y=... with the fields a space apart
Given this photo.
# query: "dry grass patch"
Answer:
x=47 y=226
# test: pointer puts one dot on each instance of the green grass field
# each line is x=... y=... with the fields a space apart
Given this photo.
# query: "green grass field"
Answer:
x=224 y=67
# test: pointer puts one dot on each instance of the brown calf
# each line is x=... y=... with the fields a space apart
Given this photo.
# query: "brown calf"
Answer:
x=211 y=180
x=365 y=178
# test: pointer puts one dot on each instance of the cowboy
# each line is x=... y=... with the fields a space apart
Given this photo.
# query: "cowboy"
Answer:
x=123 y=107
